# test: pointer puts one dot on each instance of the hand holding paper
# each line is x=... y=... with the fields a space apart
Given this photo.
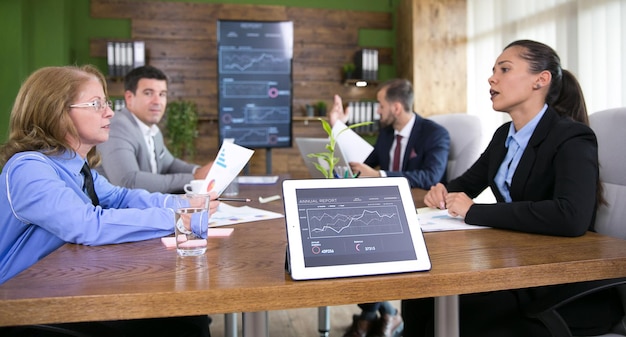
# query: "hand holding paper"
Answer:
x=360 y=149
x=230 y=160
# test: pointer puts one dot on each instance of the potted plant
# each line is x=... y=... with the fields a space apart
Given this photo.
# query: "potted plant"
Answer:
x=348 y=71
x=181 y=126
x=321 y=108
x=329 y=156
x=310 y=110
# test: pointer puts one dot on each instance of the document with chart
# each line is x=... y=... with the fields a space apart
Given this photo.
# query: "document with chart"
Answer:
x=351 y=227
x=230 y=160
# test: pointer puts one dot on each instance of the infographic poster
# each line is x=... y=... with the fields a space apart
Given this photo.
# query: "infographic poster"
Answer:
x=255 y=82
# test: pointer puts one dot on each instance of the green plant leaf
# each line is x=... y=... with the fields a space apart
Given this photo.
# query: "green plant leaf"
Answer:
x=329 y=156
x=181 y=126
x=326 y=126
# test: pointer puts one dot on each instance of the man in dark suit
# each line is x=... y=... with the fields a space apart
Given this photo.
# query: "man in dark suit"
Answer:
x=407 y=145
x=135 y=155
x=422 y=156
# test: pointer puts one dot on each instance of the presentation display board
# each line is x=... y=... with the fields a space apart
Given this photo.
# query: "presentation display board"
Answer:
x=255 y=82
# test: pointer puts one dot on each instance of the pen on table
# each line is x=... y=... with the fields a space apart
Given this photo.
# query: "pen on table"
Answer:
x=357 y=174
x=234 y=199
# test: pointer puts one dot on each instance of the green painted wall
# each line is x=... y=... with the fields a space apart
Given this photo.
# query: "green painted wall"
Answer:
x=39 y=33
x=11 y=71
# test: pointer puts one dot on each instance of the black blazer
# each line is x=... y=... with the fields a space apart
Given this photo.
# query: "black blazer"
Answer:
x=425 y=159
x=554 y=186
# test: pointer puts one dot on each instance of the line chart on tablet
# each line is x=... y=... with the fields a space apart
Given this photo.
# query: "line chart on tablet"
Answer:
x=353 y=221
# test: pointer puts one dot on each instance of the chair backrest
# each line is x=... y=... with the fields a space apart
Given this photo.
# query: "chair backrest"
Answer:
x=465 y=137
x=609 y=126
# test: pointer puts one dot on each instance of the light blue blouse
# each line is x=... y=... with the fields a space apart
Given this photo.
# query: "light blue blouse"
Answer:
x=516 y=143
x=43 y=207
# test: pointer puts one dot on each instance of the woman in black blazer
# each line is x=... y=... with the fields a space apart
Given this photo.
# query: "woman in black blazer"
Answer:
x=543 y=170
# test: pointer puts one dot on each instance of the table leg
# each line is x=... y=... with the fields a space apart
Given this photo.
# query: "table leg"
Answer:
x=230 y=325
x=255 y=324
x=447 y=316
x=323 y=321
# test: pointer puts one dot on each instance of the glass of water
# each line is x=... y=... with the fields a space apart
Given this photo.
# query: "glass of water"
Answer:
x=191 y=223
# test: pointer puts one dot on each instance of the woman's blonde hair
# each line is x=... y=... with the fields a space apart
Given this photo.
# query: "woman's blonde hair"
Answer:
x=40 y=118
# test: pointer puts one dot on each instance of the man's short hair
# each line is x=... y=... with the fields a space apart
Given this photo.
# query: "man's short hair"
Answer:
x=399 y=90
x=132 y=78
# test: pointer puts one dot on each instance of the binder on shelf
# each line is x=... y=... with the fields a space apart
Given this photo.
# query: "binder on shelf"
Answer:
x=128 y=64
x=366 y=63
x=117 y=58
x=363 y=111
x=139 y=54
x=122 y=57
x=374 y=64
x=119 y=104
x=111 y=57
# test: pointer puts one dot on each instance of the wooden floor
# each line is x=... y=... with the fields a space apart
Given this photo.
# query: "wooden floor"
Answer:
x=299 y=322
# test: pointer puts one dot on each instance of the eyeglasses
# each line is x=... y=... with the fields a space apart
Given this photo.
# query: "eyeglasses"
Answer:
x=97 y=104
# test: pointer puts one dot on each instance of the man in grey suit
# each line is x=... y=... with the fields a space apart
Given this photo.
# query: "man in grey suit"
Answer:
x=135 y=155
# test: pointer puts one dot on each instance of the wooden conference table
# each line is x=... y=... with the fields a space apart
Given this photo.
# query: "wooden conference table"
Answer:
x=245 y=273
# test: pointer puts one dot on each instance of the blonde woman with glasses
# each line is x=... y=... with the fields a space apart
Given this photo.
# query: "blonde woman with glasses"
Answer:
x=50 y=195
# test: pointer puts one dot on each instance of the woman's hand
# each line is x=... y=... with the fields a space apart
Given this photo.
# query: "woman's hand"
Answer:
x=458 y=204
x=436 y=196
x=214 y=203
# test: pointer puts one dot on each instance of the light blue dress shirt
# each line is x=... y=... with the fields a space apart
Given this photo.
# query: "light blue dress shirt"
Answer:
x=43 y=207
x=516 y=143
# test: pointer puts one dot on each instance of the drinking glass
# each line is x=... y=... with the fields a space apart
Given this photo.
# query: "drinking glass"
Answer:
x=191 y=223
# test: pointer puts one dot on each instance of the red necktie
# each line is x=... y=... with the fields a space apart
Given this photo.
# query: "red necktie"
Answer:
x=396 y=154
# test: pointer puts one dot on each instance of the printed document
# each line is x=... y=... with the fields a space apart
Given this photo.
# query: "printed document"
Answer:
x=354 y=147
x=230 y=160
x=432 y=220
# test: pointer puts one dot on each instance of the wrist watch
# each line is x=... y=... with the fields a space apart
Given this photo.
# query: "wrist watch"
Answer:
x=181 y=227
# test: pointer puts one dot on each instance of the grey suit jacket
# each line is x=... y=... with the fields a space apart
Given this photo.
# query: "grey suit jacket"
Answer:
x=126 y=162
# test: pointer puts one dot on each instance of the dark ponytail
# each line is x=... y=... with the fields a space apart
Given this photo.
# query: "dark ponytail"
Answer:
x=571 y=102
x=565 y=94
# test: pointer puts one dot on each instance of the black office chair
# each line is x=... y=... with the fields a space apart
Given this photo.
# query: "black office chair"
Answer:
x=609 y=127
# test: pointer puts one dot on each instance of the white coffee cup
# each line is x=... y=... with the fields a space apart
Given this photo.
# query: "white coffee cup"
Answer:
x=198 y=186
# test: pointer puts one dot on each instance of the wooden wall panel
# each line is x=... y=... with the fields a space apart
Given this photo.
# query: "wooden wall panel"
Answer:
x=173 y=30
x=432 y=42
x=404 y=40
x=166 y=11
x=337 y=18
x=181 y=39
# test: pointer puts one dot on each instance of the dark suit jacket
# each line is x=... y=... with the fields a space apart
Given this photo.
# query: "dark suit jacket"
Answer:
x=554 y=192
x=126 y=162
x=426 y=156
x=553 y=188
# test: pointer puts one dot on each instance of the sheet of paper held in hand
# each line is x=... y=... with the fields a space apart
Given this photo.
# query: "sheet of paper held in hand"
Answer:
x=230 y=215
x=432 y=220
x=230 y=160
x=360 y=149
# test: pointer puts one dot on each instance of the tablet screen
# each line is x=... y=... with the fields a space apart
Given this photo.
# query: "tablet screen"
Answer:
x=358 y=225
x=352 y=227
